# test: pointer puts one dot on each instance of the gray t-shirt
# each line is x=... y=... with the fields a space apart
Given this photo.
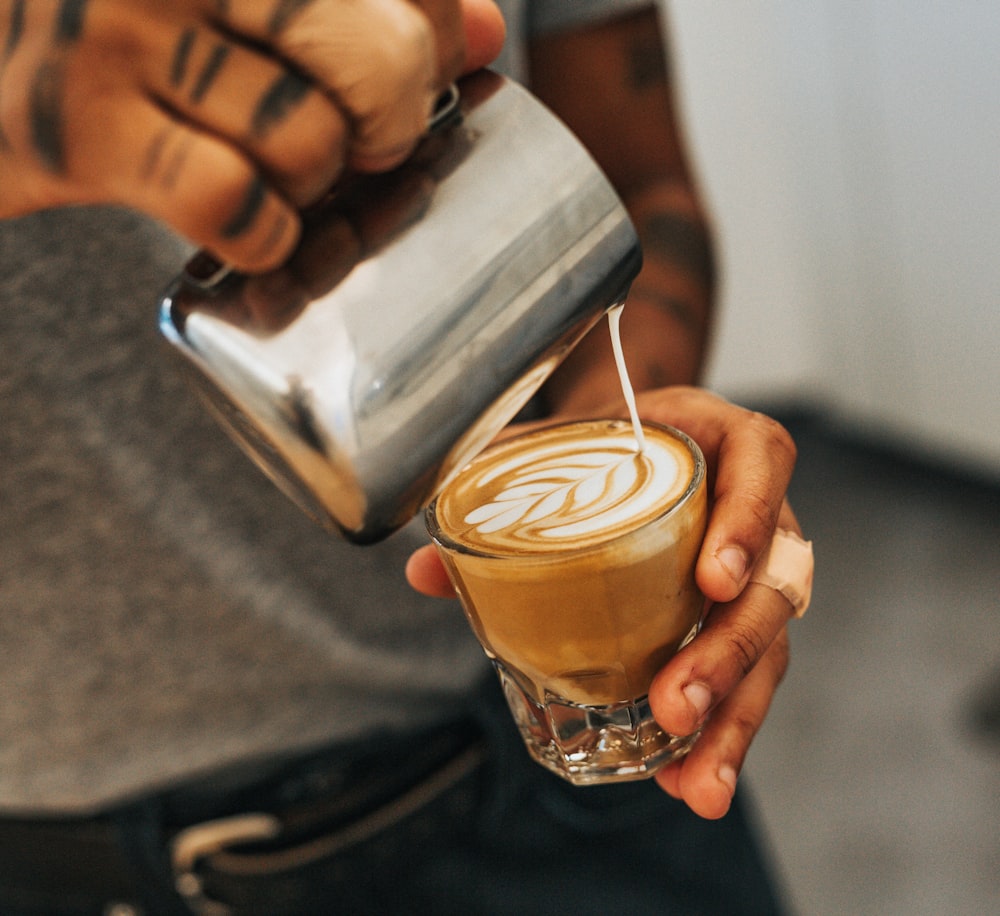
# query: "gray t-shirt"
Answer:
x=164 y=610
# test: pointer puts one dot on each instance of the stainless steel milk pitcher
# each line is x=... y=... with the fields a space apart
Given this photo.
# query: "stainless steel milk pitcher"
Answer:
x=420 y=312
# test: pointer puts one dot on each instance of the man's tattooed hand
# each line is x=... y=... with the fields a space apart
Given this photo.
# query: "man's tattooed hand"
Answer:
x=221 y=118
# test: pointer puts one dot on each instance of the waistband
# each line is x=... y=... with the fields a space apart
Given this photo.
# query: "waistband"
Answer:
x=208 y=849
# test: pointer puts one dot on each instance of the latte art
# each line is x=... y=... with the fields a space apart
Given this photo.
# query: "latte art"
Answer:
x=573 y=550
x=554 y=491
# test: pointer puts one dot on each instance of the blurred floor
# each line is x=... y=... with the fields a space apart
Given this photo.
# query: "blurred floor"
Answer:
x=878 y=770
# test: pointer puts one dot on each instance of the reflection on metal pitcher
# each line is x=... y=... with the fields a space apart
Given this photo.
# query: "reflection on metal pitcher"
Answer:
x=421 y=311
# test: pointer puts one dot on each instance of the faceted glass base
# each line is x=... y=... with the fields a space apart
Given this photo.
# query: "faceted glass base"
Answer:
x=587 y=745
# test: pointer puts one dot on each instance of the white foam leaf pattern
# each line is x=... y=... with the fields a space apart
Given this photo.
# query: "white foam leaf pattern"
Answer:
x=571 y=492
x=567 y=494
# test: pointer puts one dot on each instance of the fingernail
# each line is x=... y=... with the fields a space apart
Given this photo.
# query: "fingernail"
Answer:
x=727 y=776
x=700 y=698
x=734 y=561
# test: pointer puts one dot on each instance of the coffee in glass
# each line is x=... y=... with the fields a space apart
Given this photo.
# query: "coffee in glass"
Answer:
x=573 y=551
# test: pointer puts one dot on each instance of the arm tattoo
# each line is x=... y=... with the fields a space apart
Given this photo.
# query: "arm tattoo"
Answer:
x=682 y=311
x=683 y=241
x=647 y=65
x=274 y=106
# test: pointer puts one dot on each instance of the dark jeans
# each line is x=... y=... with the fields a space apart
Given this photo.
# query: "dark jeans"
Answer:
x=508 y=838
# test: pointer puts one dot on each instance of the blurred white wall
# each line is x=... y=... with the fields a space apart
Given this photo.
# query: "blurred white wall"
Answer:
x=850 y=153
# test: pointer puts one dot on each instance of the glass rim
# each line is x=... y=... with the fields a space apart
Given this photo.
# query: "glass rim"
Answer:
x=694 y=484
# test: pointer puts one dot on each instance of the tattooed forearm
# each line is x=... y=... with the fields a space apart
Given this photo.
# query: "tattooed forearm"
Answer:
x=274 y=106
x=646 y=64
x=683 y=241
x=687 y=314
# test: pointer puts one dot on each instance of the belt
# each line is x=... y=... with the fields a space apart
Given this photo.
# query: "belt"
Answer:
x=217 y=849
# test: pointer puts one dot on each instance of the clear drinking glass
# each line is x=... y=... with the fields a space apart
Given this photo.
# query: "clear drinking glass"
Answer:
x=579 y=618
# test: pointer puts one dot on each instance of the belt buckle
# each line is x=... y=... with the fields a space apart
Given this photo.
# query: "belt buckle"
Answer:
x=194 y=843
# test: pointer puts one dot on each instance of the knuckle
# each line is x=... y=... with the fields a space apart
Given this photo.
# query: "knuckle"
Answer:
x=415 y=34
x=221 y=198
x=776 y=438
x=745 y=725
x=312 y=160
x=323 y=143
x=218 y=200
x=380 y=73
x=761 y=510
x=397 y=64
x=780 y=656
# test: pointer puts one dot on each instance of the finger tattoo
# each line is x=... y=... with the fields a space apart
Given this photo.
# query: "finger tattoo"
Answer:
x=279 y=229
x=280 y=99
x=163 y=164
x=69 y=21
x=180 y=65
x=14 y=32
x=248 y=215
x=182 y=56
x=47 y=89
x=213 y=66
x=46 y=115
x=283 y=13
x=248 y=212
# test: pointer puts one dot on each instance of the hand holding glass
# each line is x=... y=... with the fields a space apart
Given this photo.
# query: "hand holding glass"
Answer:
x=573 y=553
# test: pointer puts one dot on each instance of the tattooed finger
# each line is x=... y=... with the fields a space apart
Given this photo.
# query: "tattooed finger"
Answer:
x=377 y=60
x=46 y=86
x=292 y=130
x=14 y=34
x=202 y=186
